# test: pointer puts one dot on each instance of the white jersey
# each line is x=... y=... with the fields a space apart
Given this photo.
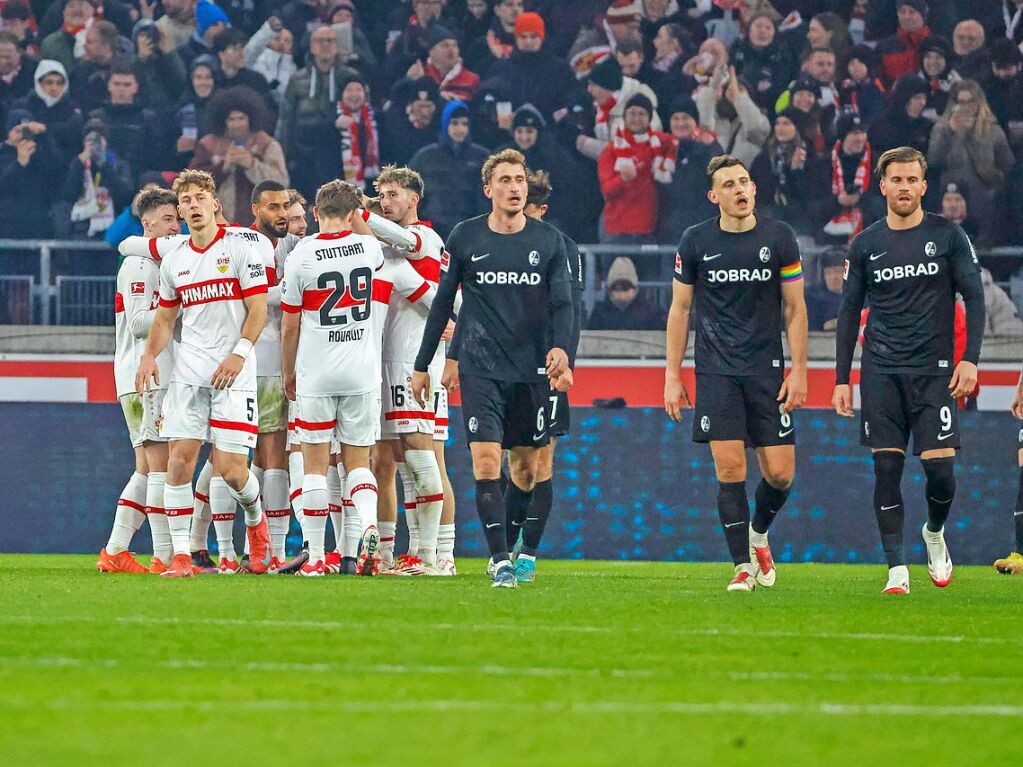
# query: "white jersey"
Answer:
x=138 y=294
x=403 y=332
x=210 y=286
x=268 y=345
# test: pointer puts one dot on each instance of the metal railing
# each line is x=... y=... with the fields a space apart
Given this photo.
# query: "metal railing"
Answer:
x=85 y=300
x=52 y=305
x=16 y=293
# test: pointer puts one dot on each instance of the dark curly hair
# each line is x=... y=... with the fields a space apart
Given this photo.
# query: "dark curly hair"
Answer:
x=237 y=99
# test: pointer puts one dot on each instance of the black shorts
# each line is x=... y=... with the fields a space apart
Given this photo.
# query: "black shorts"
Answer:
x=510 y=413
x=559 y=416
x=897 y=405
x=742 y=407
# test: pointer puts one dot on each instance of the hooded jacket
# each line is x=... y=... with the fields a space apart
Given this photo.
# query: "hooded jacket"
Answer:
x=60 y=115
x=451 y=174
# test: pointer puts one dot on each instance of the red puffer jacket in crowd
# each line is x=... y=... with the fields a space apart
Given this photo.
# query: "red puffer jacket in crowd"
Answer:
x=631 y=206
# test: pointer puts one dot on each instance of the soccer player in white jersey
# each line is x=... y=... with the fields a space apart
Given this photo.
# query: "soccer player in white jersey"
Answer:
x=409 y=431
x=218 y=283
x=138 y=293
x=331 y=335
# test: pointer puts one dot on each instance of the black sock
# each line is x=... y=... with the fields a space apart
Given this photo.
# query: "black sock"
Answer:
x=1018 y=516
x=516 y=504
x=733 y=509
x=536 y=517
x=505 y=480
x=767 y=501
x=490 y=507
x=940 y=490
x=888 y=506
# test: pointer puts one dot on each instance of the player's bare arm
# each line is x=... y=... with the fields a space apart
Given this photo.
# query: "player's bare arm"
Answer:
x=675 y=395
x=793 y=388
x=421 y=386
x=291 y=324
x=159 y=336
x=1017 y=399
x=450 y=378
x=255 y=319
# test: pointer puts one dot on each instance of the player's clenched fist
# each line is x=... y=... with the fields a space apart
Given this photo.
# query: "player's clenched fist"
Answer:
x=557 y=362
x=793 y=391
x=675 y=397
x=450 y=378
x=224 y=375
x=842 y=400
x=148 y=371
x=421 y=387
x=563 y=382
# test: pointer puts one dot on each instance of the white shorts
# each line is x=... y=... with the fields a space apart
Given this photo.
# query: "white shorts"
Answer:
x=294 y=433
x=273 y=405
x=401 y=413
x=142 y=414
x=440 y=417
x=226 y=418
x=353 y=419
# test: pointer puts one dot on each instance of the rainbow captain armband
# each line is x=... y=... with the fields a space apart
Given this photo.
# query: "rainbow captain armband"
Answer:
x=792 y=272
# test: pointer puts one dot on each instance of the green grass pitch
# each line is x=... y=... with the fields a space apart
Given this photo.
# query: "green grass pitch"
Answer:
x=596 y=664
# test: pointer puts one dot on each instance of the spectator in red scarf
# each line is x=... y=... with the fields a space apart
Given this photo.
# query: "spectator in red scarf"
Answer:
x=629 y=168
x=360 y=139
x=444 y=66
x=60 y=45
x=900 y=53
x=852 y=205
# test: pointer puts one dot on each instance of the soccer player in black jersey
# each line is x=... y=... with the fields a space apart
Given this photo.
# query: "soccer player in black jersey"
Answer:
x=909 y=267
x=515 y=280
x=527 y=513
x=744 y=275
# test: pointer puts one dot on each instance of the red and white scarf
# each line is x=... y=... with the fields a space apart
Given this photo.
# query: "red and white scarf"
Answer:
x=360 y=145
x=662 y=152
x=603 y=115
x=848 y=220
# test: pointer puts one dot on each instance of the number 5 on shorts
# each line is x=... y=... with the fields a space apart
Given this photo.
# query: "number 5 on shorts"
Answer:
x=250 y=409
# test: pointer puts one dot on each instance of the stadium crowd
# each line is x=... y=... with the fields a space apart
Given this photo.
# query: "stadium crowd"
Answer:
x=622 y=102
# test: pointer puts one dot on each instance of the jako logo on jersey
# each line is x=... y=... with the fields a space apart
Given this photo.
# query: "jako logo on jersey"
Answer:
x=222 y=263
x=534 y=258
x=739 y=275
x=765 y=254
x=901 y=272
x=474 y=425
x=705 y=423
x=507 y=278
x=209 y=291
x=931 y=250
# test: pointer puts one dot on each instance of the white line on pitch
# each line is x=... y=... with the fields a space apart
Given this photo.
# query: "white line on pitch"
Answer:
x=825 y=708
x=524 y=628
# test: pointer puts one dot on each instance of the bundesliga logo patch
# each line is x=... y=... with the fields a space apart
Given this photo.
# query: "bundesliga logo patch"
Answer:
x=138 y=288
x=678 y=263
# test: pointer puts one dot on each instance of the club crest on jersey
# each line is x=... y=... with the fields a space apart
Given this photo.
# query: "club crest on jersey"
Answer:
x=930 y=249
x=222 y=263
x=534 y=258
x=705 y=423
x=765 y=254
x=474 y=425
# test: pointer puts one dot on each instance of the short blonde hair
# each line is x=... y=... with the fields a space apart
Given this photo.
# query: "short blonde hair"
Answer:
x=295 y=196
x=403 y=176
x=196 y=178
x=510 y=156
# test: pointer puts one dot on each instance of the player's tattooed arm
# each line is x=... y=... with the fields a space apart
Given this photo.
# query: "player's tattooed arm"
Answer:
x=675 y=395
x=793 y=389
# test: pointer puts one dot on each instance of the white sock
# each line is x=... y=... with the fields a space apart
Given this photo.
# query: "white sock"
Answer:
x=362 y=489
x=429 y=489
x=335 y=496
x=296 y=471
x=408 y=489
x=178 y=501
x=248 y=497
x=258 y=472
x=387 y=532
x=201 y=514
x=163 y=549
x=314 y=490
x=278 y=515
x=341 y=533
x=446 y=542
x=759 y=540
x=130 y=514
x=353 y=531
x=223 y=505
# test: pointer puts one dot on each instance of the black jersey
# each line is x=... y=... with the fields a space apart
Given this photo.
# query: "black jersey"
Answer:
x=736 y=279
x=512 y=285
x=910 y=278
x=575 y=270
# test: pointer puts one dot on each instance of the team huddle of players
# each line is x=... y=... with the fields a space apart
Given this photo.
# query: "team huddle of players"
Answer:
x=203 y=380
